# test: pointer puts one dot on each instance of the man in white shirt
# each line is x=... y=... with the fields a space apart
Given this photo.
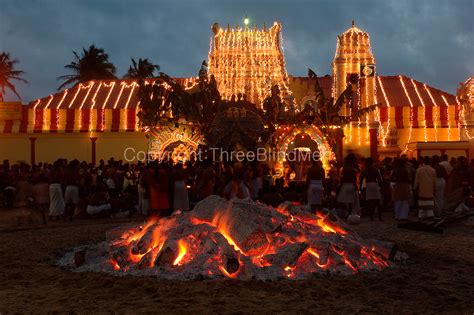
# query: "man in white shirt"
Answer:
x=445 y=163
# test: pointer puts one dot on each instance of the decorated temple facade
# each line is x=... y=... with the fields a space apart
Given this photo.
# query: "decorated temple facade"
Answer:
x=249 y=61
x=98 y=119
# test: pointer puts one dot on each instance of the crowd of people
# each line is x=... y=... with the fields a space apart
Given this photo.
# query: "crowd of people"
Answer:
x=426 y=186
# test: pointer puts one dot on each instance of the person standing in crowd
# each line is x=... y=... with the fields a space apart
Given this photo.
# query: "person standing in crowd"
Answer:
x=425 y=186
x=159 y=201
x=144 y=191
x=445 y=163
x=400 y=179
x=40 y=194
x=314 y=184
x=257 y=181
x=332 y=182
x=71 y=195
x=373 y=184
x=387 y=190
x=7 y=185
x=180 y=196
x=164 y=188
x=226 y=176
x=236 y=188
x=22 y=188
x=205 y=180
x=441 y=176
x=56 y=203
x=348 y=193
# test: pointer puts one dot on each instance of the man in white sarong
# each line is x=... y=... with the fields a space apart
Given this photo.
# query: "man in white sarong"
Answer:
x=56 y=203
x=425 y=184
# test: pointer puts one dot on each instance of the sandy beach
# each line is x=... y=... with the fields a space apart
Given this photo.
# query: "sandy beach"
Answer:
x=437 y=278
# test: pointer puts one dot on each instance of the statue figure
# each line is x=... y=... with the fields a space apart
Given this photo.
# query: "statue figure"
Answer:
x=273 y=106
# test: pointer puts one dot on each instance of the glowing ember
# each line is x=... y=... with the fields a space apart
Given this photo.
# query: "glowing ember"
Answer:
x=239 y=239
x=181 y=253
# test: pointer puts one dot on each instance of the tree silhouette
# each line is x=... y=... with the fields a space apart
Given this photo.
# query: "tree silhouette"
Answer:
x=93 y=64
x=7 y=74
x=141 y=70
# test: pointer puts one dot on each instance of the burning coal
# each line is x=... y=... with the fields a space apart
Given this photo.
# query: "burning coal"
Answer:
x=239 y=239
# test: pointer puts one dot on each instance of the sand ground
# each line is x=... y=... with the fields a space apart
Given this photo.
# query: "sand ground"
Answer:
x=439 y=277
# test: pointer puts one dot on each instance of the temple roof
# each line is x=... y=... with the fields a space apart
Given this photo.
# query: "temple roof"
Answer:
x=121 y=94
x=400 y=91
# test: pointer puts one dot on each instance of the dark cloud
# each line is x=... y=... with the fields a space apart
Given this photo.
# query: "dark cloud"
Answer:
x=431 y=41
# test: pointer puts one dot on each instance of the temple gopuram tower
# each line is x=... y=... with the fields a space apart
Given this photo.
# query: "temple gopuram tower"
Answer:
x=354 y=57
x=249 y=61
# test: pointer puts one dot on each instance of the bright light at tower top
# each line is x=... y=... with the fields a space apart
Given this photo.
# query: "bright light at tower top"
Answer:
x=246 y=20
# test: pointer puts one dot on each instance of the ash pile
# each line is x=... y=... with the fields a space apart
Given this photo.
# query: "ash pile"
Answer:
x=239 y=239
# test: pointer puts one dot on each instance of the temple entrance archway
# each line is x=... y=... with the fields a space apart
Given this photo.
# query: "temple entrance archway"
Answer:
x=178 y=144
x=289 y=138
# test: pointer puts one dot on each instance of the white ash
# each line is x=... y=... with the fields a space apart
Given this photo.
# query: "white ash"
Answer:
x=240 y=239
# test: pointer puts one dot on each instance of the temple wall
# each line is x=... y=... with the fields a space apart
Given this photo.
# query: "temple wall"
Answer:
x=117 y=144
x=51 y=146
x=14 y=147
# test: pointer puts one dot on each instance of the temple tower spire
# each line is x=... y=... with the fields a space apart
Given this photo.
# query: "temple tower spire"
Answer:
x=354 y=57
x=249 y=61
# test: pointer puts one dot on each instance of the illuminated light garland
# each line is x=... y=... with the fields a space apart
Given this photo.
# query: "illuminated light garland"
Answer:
x=95 y=95
x=132 y=87
x=89 y=88
x=34 y=110
x=351 y=49
x=350 y=130
x=36 y=104
x=384 y=137
x=248 y=61
x=287 y=137
x=194 y=82
x=358 y=118
x=350 y=63
x=102 y=123
x=424 y=108
x=137 y=109
x=449 y=120
x=46 y=107
x=436 y=110
x=63 y=98
x=366 y=92
x=122 y=86
x=111 y=86
x=49 y=101
x=470 y=94
x=163 y=137
x=80 y=120
x=463 y=119
x=78 y=89
x=462 y=115
x=377 y=114
x=411 y=112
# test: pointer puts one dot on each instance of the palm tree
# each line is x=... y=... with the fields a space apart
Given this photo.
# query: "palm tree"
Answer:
x=93 y=64
x=8 y=73
x=141 y=70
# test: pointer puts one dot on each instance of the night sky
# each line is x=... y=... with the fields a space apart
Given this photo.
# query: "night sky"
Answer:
x=430 y=41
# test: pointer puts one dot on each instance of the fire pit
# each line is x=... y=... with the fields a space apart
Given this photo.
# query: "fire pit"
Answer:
x=239 y=239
